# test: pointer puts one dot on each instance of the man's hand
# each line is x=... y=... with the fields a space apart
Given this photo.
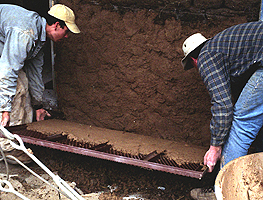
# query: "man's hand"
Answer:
x=5 y=118
x=41 y=113
x=212 y=156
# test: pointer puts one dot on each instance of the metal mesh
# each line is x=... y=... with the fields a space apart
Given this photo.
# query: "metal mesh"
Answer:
x=153 y=160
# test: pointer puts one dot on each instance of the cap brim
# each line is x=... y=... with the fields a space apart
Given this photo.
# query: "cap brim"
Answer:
x=72 y=27
x=186 y=63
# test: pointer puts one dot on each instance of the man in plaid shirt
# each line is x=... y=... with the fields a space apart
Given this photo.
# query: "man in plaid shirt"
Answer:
x=230 y=67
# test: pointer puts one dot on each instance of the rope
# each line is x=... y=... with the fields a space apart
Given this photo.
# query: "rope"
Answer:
x=65 y=188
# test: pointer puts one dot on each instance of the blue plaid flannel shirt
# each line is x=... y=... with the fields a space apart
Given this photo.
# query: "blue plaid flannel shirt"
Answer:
x=228 y=54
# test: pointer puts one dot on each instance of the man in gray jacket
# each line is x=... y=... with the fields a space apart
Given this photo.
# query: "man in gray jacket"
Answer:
x=23 y=34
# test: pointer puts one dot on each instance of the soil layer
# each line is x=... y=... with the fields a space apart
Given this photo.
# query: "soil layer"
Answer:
x=126 y=142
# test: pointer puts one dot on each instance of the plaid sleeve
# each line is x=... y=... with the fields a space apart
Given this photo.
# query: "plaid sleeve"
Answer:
x=217 y=80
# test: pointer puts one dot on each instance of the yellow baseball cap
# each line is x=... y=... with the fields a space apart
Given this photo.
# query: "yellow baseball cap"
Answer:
x=65 y=14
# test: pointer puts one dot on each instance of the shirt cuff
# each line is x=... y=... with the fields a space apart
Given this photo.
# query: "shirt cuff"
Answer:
x=37 y=107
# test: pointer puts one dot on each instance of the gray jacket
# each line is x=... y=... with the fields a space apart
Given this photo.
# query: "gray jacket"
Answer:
x=22 y=37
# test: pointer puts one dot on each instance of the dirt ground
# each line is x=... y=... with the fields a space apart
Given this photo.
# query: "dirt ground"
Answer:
x=97 y=179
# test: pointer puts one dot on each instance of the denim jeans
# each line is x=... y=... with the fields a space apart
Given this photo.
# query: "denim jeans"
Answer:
x=247 y=120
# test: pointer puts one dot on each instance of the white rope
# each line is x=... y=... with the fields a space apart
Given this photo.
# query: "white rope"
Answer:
x=10 y=189
x=69 y=192
x=6 y=133
x=66 y=189
x=34 y=173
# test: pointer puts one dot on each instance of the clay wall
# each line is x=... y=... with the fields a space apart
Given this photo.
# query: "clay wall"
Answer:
x=123 y=71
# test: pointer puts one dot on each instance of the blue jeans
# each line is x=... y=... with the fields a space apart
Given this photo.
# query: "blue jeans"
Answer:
x=247 y=120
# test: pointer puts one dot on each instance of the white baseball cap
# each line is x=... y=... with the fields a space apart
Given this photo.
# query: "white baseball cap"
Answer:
x=65 y=14
x=189 y=46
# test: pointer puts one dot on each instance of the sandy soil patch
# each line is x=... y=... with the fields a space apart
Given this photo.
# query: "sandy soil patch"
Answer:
x=132 y=143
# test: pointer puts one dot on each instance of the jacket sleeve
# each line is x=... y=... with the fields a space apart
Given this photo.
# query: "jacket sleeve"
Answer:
x=15 y=50
x=33 y=69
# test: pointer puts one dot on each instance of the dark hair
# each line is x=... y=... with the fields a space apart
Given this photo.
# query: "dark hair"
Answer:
x=52 y=20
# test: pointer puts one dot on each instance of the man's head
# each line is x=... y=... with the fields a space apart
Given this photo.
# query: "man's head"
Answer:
x=191 y=48
x=60 y=20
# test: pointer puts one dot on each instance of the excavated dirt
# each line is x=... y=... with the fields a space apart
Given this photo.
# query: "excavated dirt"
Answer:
x=98 y=179
x=132 y=143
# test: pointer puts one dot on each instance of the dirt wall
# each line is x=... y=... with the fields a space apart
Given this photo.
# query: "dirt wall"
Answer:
x=123 y=71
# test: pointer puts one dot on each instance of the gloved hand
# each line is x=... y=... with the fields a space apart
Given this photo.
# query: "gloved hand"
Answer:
x=212 y=156
x=5 y=118
x=41 y=113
